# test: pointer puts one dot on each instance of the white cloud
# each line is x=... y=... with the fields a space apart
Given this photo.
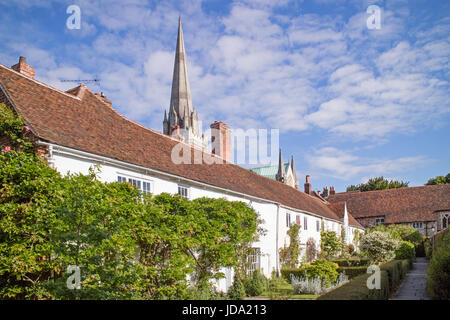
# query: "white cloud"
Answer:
x=342 y=164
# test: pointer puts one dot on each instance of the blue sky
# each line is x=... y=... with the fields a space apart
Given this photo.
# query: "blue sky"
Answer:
x=351 y=103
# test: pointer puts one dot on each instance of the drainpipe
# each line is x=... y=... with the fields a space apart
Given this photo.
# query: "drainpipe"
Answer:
x=276 y=241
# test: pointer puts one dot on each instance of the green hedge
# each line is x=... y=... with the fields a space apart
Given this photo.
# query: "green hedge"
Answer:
x=397 y=270
x=357 y=289
x=352 y=262
x=438 y=283
x=352 y=272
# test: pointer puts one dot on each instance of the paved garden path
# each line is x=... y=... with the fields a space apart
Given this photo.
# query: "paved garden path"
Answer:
x=414 y=285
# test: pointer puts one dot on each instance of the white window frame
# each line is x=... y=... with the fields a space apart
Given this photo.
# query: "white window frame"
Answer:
x=184 y=194
x=139 y=182
x=417 y=225
x=254 y=259
x=305 y=222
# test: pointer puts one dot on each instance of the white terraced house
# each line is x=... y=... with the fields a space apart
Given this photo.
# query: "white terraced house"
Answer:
x=77 y=129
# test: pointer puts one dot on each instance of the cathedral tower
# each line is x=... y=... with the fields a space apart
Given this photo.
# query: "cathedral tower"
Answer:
x=182 y=121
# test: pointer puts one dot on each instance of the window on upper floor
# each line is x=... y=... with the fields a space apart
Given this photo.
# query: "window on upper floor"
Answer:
x=305 y=223
x=317 y=225
x=183 y=191
x=297 y=219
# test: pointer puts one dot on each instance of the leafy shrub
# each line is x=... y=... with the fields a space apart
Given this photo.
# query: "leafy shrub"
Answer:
x=438 y=283
x=393 y=268
x=203 y=291
x=237 y=289
x=378 y=246
x=330 y=245
x=350 y=248
x=357 y=289
x=352 y=262
x=405 y=251
x=428 y=248
x=321 y=268
x=406 y=265
x=255 y=284
x=352 y=272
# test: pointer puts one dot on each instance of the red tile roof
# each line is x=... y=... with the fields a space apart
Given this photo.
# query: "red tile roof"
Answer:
x=338 y=208
x=81 y=120
x=402 y=205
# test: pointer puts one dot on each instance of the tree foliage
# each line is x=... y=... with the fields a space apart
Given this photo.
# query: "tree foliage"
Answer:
x=439 y=180
x=127 y=245
x=378 y=183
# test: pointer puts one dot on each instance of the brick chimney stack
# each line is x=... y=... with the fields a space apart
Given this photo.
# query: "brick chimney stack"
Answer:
x=332 y=190
x=23 y=68
x=221 y=140
x=307 y=185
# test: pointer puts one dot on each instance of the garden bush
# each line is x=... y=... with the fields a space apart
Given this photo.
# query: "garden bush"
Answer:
x=406 y=265
x=379 y=246
x=255 y=284
x=322 y=268
x=237 y=289
x=357 y=289
x=393 y=268
x=352 y=262
x=352 y=272
x=438 y=283
x=406 y=251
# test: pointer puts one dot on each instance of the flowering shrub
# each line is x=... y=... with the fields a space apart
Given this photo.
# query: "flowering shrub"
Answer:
x=285 y=257
x=379 y=246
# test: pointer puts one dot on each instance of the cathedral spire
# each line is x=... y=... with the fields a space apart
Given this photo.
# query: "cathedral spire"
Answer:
x=281 y=174
x=181 y=99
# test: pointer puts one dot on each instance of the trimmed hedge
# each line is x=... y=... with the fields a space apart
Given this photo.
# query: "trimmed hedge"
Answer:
x=397 y=270
x=438 y=282
x=352 y=272
x=352 y=262
x=357 y=289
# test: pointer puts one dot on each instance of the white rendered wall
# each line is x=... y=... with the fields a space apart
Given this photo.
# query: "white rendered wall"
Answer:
x=267 y=211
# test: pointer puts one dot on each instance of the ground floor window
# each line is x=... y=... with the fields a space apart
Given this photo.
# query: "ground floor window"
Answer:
x=379 y=221
x=417 y=225
x=254 y=259
x=445 y=220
